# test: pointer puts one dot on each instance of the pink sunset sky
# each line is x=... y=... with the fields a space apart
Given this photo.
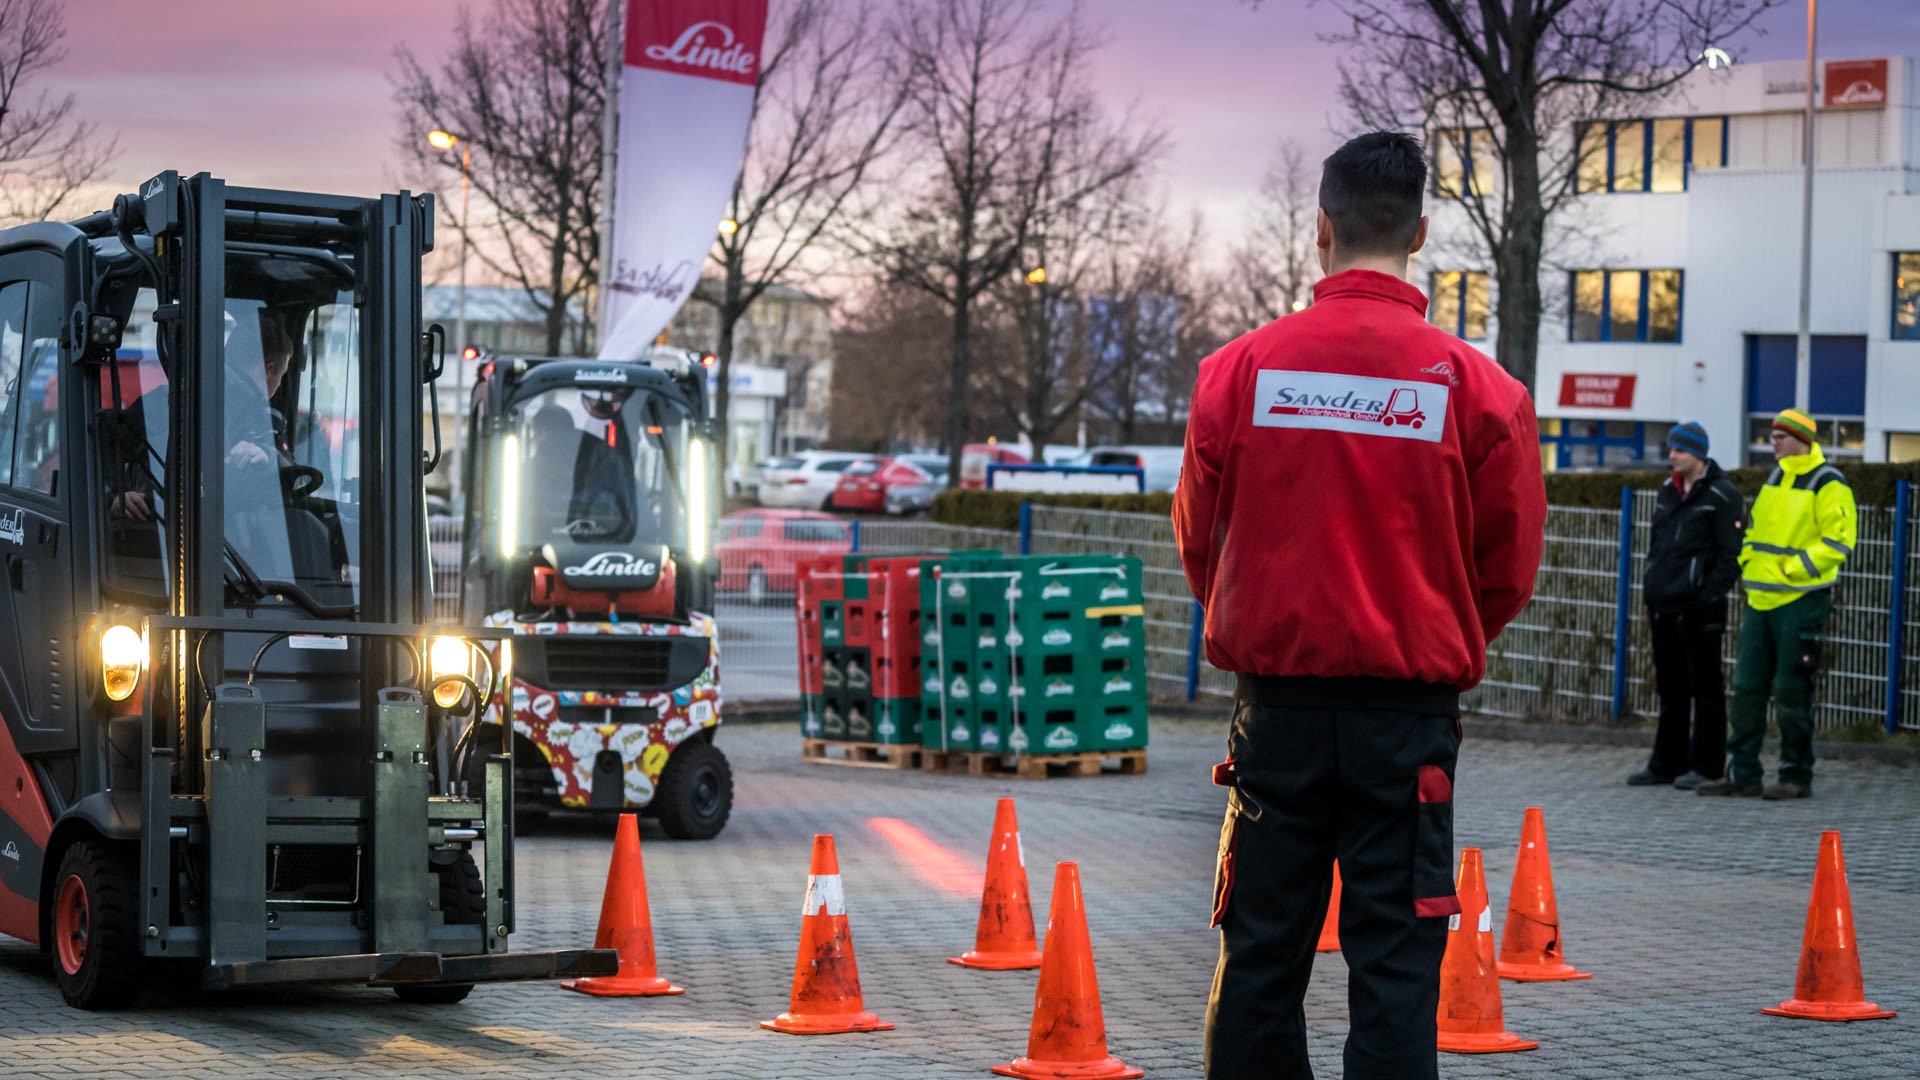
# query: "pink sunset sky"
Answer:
x=275 y=93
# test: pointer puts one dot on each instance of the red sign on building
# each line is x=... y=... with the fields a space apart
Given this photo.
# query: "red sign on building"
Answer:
x=1856 y=84
x=1596 y=391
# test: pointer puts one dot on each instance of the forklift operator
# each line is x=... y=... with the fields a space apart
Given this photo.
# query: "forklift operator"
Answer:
x=247 y=400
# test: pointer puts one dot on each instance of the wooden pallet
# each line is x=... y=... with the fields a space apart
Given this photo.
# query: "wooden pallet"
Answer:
x=863 y=755
x=1034 y=766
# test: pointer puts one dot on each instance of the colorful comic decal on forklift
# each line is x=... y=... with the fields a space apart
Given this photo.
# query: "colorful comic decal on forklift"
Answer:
x=572 y=747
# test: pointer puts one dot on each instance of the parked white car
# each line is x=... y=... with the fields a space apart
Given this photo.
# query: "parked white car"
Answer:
x=804 y=481
x=1160 y=463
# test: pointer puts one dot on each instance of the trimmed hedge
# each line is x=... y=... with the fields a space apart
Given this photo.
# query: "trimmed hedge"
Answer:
x=1873 y=485
x=1001 y=509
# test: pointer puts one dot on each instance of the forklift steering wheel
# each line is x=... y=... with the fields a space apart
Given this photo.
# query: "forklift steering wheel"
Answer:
x=300 y=481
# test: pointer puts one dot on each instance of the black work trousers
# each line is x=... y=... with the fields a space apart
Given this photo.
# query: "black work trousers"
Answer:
x=1691 y=681
x=1372 y=787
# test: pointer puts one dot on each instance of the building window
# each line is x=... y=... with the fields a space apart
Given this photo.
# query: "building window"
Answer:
x=1461 y=302
x=1842 y=438
x=1463 y=162
x=1625 y=305
x=1906 y=296
x=1648 y=155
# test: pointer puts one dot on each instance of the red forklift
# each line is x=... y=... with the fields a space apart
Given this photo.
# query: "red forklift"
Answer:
x=231 y=745
x=587 y=535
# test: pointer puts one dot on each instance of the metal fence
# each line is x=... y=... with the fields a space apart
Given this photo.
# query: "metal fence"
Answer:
x=1562 y=656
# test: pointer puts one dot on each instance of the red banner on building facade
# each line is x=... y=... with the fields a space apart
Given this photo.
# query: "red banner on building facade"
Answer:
x=1596 y=391
x=1856 y=84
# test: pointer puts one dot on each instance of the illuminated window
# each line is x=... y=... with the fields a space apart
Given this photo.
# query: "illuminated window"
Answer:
x=1648 y=155
x=1906 y=296
x=1461 y=303
x=1625 y=305
x=1464 y=162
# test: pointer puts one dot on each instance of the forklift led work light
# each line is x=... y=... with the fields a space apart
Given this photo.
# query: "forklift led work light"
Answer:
x=697 y=501
x=448 y=657
x=122 y=657
x=509 y=515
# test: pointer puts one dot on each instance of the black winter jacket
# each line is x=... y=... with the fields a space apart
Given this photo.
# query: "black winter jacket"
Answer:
x=1694 y=555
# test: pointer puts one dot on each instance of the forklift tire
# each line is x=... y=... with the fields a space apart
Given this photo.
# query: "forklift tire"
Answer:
x=463 y=901
x=94 y=935
x=695 y=793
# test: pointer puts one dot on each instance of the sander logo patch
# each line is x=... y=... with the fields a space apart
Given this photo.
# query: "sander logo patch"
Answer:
x=1351 y=404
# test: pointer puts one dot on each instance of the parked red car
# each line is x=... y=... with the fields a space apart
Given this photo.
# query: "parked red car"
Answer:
x=866 y=486
x=760 y=549
x=975 y=457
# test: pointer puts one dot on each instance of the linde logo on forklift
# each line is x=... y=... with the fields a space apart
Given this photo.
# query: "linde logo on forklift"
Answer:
x=1353 y=404
x=603 y=375
x=614 y=564
x=13 y=528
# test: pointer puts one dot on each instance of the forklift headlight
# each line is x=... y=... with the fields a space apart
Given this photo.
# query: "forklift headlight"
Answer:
x=122 y=657
x=447 y=657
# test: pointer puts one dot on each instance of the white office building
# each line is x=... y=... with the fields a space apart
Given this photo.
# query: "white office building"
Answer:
x=1674 y=291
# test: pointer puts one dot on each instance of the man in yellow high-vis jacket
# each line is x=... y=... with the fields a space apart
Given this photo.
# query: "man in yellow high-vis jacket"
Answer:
x=1804 y=527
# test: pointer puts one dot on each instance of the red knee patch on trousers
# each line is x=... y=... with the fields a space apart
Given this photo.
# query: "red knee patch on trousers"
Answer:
x=1434 y=785
x=1429 y=907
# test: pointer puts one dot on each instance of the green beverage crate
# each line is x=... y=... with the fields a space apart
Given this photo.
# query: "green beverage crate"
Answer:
x=833 y=624
x=860 y=719
x=813 y=708
x=833 y=723
x=896 y=720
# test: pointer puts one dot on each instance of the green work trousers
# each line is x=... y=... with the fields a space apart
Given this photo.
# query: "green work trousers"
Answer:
x=1779 y=651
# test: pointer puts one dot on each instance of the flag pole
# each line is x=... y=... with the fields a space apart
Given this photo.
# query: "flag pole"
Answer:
x=609 y=161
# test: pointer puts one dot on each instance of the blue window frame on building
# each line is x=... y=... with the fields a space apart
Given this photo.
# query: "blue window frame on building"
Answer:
x=1460 y=301
x=1906 y=296
x=1648 y=155
x=1601 y=444
x=1625 y=305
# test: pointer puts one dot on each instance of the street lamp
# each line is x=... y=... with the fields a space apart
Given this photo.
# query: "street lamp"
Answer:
x=728 y=226
x=1803 y=352
x=1037 y=276
x=446 y=140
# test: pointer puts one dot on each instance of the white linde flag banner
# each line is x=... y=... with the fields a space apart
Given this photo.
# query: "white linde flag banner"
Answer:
x=686 y=98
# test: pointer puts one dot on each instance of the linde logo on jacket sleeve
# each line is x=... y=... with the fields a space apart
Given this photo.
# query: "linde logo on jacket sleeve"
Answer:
x=1352 y=404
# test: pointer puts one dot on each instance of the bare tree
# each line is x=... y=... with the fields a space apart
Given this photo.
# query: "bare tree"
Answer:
x=1502 y=84
x=878 y=401
x=1155 y=309
x=993 y=92
x=821 y=118
x=527 y=87
x=46 y=155
x=1275 y=264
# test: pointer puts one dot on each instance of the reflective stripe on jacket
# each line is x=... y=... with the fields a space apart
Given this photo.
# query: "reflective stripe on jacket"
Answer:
x=1804 y=527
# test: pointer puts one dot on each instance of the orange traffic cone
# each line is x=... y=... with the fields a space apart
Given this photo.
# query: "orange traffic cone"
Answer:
x=826 y=983
x=626 y=925
x=1068 y=1038
x=1470 y=1018
x=1004 y=939
x=1530 y=941
x=1828 y=986
x=1330 y=930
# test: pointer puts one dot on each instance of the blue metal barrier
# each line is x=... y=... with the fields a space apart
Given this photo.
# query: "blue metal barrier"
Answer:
x=1623 y=606
x=1194 y=638
x=1897 y=620
x=1026 y=528
x=856 y=536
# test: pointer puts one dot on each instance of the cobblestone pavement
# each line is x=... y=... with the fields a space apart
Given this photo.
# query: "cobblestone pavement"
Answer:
x=1688 y=911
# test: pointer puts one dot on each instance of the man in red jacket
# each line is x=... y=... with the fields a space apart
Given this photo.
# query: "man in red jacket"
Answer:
x=1360 y=512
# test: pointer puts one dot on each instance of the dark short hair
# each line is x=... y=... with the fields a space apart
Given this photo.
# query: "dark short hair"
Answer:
x=274 y=339
x=1370 y=189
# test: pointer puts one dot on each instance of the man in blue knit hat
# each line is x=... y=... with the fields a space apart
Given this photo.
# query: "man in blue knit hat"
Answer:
x=1692 y=563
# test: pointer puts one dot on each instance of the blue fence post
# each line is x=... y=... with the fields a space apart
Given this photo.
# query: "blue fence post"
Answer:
x=1623 y=610
x=1194 y=637
x=856 y=535
x=1026 y=528
x=1897 y=624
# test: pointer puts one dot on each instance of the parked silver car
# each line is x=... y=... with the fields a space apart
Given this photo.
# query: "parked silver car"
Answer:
x=1160 y=463
x=804 y=481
